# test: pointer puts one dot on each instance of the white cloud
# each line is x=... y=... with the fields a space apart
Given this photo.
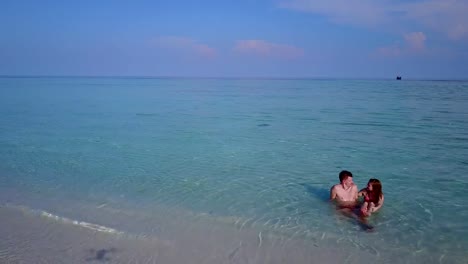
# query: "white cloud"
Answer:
x=268 y=49
x=415 y=44
x=416 y=41
x=361 y=12
x=446 y=16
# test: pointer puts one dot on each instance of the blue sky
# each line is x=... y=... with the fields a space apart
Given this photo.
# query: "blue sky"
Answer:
x=243 y=38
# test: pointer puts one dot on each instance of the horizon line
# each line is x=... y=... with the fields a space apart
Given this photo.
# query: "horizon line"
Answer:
x=228 y=77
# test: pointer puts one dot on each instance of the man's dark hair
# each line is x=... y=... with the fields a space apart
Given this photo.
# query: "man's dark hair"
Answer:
x=344 y=175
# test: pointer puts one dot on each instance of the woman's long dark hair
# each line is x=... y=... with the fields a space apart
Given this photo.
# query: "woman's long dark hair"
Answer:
x=376 y=192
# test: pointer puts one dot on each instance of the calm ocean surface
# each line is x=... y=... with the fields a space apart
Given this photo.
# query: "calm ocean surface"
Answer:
x=257 y=154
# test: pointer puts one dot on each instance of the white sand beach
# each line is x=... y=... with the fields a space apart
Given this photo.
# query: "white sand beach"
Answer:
x=33 y=238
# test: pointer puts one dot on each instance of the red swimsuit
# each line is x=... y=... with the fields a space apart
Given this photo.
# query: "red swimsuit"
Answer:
x=368 y=198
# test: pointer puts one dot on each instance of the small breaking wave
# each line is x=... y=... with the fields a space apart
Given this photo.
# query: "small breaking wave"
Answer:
x=94 y=227
x=91 y=226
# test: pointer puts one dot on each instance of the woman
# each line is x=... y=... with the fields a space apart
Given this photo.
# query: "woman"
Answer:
x=373 y=197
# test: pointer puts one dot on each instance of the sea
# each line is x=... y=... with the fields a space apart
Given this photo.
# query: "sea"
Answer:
x=238 y=170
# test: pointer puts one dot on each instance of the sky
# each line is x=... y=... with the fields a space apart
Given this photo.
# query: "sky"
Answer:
x=417 y=39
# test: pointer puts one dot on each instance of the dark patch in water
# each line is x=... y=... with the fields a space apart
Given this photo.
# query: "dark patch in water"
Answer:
x=308 y=119
x=443 y=180
x=263 y=125
x=318 y=192
x=145 y=114
x=101 y=254
x=233 y=253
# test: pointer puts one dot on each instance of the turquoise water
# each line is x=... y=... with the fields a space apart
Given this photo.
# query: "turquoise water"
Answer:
x=265 y=151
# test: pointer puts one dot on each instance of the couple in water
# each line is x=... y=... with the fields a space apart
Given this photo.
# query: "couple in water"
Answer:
x=346 y=195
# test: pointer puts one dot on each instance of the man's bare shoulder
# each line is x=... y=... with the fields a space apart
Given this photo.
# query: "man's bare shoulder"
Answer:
x=335 y=187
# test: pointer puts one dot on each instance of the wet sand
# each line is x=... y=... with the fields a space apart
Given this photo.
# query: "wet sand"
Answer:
x=33 y=238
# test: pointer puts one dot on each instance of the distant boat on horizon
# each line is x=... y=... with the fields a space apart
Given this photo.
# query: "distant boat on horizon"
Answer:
x=398 y=77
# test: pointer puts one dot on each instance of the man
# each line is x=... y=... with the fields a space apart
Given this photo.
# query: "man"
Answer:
x=345 y=193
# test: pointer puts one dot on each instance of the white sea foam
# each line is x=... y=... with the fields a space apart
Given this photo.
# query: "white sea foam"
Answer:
x=91 y=226
x=95 y=227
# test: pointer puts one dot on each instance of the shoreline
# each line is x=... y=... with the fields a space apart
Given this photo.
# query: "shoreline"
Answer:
x=52 y=227
x=29 y=238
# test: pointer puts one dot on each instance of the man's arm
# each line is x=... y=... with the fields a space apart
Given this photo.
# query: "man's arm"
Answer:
x=355 y=192
x=362 y=192
x=332 y=193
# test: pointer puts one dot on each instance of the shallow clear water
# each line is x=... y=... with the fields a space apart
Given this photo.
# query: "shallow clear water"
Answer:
x=262 y=152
